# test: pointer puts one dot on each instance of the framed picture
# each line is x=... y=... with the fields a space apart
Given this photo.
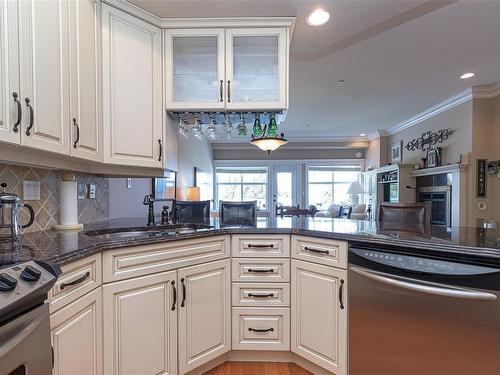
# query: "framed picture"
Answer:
x=433 y=158
x=397 y=152
x=164 y=188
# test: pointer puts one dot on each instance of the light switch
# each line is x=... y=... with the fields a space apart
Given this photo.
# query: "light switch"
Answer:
x=129 y=183
x=31 y=190
x=91 y=191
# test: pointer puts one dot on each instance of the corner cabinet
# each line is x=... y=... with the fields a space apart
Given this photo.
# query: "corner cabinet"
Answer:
x=319 y=325
x=132 y=90
x=227 y=69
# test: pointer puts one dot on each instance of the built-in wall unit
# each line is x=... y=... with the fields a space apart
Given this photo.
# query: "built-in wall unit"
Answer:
x=249 y=187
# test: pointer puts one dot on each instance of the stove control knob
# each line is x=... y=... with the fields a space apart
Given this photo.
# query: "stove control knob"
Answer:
x=31 y=274
x=7 y=282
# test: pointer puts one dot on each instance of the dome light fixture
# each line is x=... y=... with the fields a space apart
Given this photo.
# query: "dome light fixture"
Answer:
x=467 y=75
x=318 y=17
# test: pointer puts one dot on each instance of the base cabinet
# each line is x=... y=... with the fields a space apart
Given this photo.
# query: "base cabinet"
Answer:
x=204 y=313
x=76 y=332
x=319 y=315
x=140 y=327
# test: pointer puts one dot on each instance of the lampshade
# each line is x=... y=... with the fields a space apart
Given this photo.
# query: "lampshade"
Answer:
x=355 y=188
x=268 y=143
x=193 y=193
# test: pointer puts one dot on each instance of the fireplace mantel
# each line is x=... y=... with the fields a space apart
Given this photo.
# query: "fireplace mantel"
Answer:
x=438 y=170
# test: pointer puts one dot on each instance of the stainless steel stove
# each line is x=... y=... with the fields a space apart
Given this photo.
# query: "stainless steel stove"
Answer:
x=24 y=318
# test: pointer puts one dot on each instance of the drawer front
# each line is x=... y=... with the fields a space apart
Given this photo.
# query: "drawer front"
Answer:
x=144 y=260
x=261 y=294
x=77 y=279
x=261 y=270
x=322 y=251
x=270 y=246
x=261 y=328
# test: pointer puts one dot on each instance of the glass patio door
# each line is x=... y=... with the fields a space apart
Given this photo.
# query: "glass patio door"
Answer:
x=285 y=188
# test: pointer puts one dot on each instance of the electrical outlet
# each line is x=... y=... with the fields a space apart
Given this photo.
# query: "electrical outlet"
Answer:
x=91 y=191
x=82 y=191
x=129 y=183
x=31 y=190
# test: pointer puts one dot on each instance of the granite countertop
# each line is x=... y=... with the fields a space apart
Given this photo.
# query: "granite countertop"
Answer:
x=475 y=244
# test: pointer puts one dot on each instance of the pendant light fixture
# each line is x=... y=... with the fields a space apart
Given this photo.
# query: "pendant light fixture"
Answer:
x=267 y=139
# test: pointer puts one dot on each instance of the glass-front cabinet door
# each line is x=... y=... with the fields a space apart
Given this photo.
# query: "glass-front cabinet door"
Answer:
x=195 y=65
x=256 y=69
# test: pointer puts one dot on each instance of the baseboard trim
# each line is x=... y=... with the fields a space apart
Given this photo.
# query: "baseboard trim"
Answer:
x=260 y=356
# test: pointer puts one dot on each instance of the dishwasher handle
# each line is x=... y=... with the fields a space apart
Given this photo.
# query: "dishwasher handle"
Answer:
x=423 y=287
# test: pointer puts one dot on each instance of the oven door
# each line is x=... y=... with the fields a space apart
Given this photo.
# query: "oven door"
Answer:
x=25 y=344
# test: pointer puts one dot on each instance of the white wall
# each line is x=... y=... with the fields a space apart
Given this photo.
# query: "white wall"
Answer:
x=124 y=202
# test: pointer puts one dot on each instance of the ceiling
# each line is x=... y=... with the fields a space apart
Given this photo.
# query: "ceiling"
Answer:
x=397 y=58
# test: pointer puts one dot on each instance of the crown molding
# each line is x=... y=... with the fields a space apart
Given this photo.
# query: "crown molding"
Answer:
x=435 y=110
x=487 y=91
x=377 y=134
x=186 y=23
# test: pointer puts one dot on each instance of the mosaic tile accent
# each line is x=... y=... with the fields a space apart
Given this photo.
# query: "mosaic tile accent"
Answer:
x=47 y=208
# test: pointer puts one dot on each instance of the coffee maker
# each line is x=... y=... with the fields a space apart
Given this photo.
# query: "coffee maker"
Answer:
x=10 y=209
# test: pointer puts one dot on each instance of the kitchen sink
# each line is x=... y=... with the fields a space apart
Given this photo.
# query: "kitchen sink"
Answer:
x=157 y=231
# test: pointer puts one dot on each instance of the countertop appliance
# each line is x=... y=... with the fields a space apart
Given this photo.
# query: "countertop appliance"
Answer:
x=10 y=208
x=25 y=346
x=420 y=315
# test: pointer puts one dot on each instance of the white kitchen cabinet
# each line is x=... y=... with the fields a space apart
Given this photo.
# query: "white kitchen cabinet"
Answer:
x=204 y=313
x=44 y=74
x=10 y=102
x=319 y=325
x=140 y=325
x=256 y=69
x=84 y=49
x=195 y=67
x=76 y=332
x=132 y=90
x=231 y=69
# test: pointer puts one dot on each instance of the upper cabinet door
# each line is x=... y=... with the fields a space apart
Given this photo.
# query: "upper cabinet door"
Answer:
x=204 y=313
x=132 y=90
x=257 y=69
x=44 y=78
x=195 y=67
x=84 y=45
x=10 y=101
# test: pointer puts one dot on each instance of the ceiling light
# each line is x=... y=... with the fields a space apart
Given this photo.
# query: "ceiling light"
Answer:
x=362 y=135
x=318 y=17
x=467 y=75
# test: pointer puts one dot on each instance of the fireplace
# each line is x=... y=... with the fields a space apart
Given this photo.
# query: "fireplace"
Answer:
x=437 y=190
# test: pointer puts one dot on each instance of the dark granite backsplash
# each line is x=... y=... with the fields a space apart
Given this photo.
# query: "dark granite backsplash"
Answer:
x=47 y=208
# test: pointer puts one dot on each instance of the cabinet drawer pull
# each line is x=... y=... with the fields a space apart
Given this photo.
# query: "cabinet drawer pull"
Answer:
x=229 y=91
x=312 y=250
x=221 y=91
x=175 y=296
x=183 y=303
x=270 y=270
x=15 y=95
x=261 y=330
x=75 y=144
x=261 y=295
x=81 y=279
x=262 y=246
x=32 y=115
x=161 y=150
x=341 y=293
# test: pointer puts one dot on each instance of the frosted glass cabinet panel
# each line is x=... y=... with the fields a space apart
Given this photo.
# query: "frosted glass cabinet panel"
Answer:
x=256 y=68
x=196 y=68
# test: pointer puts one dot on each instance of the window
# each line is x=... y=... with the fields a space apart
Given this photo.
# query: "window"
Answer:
x=242 y=184
x=329 y=184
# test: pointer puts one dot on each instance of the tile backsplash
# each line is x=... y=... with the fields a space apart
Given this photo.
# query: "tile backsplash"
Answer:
x=47 y=208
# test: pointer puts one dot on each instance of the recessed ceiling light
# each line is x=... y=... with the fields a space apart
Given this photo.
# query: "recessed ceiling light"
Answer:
x=467 y=75
x=318 y=17
x=362 y=135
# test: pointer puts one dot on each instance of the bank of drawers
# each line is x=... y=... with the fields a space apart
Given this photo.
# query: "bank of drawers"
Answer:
x=261 y=292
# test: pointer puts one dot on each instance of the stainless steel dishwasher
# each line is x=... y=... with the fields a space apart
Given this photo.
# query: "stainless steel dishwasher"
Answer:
x=417 y=315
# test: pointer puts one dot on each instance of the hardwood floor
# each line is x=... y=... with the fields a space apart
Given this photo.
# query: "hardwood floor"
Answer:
x=258 y=368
